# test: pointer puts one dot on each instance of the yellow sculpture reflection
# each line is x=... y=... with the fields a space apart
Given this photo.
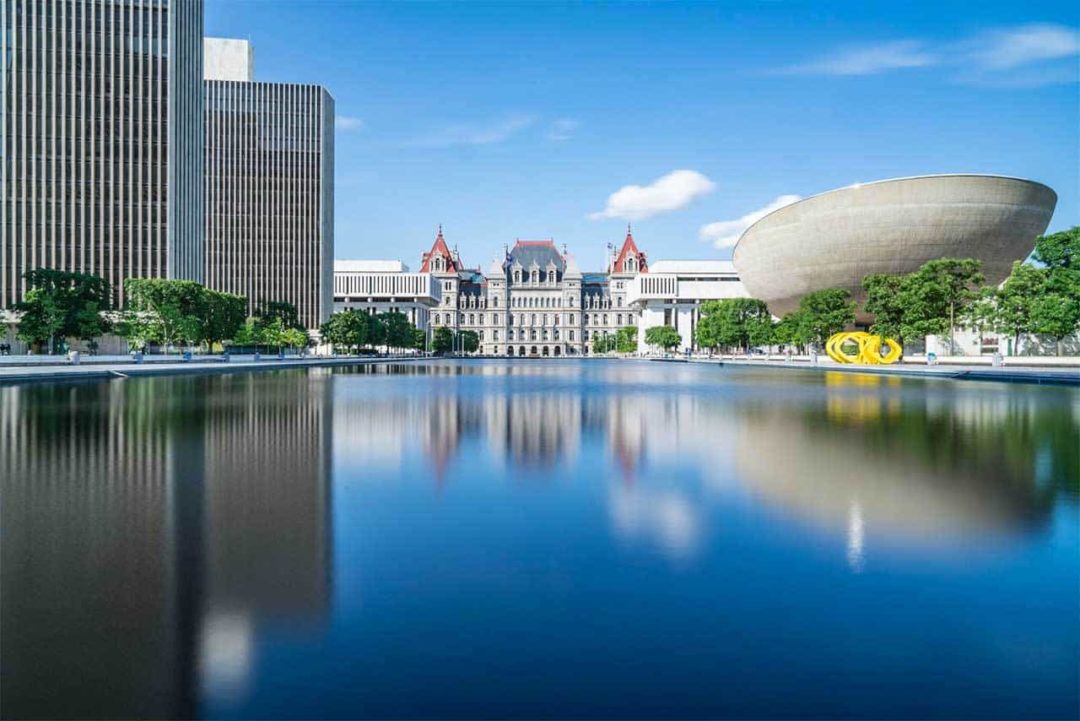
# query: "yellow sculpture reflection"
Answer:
x=867 y=350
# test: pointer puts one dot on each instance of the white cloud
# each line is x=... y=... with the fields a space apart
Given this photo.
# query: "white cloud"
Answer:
x=561 y=129
x=1020 y=56
x=1013 y=47
x=348 y=122
x=725 y=233
x=669 y=192
x=474 y=133
x=869 y=60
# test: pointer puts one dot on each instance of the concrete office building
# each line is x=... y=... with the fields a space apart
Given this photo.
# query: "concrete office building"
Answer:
x=673 y=291
x=269 y=186
x=101 y=170
x=385 y=286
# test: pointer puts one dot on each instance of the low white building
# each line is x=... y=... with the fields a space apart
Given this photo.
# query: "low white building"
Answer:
x=382 y=286
x=672 y=292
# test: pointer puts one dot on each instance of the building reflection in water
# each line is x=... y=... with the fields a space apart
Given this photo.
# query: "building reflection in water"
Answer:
x=859 y=455
x=149 y=527
x=152 y=528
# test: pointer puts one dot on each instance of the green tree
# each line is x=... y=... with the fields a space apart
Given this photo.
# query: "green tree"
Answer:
x=1059 y=250
x=885 y=301
x=443 y=341
x=784 y=331
x=981 y=314
x=1015 y=300
x=222 y=317
x=60 y=305
x=823 y=313
x=602 y=343
x=347 y=330
x=273 y=333
x=734 y=323
x=626 y=339
x=395 y=330
x=469 y=340
x=247 y=334
x=376 y=330
x=663 y=336
x=269 y=311
x=42 y=319
x=936 y=294
x=166 y=311
x=295 y=338
x=419 y=339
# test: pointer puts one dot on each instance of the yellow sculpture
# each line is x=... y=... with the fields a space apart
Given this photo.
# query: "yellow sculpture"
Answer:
x=867 y=348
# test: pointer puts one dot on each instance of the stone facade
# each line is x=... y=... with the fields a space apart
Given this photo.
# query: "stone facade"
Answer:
x=534 y=301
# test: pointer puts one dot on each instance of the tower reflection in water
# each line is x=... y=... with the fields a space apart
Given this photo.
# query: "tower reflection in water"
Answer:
x=149 y=528
x=153 y=529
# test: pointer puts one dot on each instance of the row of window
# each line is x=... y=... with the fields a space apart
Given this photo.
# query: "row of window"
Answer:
x=522 y=319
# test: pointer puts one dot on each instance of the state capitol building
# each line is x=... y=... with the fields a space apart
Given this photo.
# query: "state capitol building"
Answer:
x=534 y=301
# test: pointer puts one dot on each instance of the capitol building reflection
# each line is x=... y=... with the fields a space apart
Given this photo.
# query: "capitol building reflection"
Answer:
x=169 y=520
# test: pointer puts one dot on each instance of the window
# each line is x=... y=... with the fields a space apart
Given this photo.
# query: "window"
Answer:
x=517 y=276
x=618 y=319
x=619 y=301
x=494 y=335
x=571 y=335
x=551 y=276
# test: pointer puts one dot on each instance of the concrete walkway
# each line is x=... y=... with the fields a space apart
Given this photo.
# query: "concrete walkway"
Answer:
x=1006 y=374
x=99 y=370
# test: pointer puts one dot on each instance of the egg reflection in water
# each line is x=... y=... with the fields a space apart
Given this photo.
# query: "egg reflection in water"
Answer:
x=539 y=539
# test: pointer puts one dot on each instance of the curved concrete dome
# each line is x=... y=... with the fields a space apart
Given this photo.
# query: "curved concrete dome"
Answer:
x=834 y=239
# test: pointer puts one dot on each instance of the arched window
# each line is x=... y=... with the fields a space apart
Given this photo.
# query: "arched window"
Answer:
x=535 y=276
x=551 y=276
x=532 y=320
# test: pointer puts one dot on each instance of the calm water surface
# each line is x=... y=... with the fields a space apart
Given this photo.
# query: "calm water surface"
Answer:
x=539 y=539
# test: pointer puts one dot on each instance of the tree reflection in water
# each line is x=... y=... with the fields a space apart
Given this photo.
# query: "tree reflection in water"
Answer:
x=154 y=529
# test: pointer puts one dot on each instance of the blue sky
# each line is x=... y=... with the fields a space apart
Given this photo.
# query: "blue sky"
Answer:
x=504 y=120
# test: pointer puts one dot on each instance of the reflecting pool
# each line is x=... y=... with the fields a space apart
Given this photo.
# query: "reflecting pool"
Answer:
x=539 y=539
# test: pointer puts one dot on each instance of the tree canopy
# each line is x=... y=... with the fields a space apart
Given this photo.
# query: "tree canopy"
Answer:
x=443 y=340
x=60 y=305
x=1059 y=250
x=663 y=336
x=734 y=323
x=626 y=339
x=823 y=313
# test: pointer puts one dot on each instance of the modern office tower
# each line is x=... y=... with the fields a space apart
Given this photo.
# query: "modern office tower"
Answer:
x=269 y=186
x=102 y=139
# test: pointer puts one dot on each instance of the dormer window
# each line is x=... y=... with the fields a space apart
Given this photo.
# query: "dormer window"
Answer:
x=535 y=276
x=517 y=276
x=551 y=276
